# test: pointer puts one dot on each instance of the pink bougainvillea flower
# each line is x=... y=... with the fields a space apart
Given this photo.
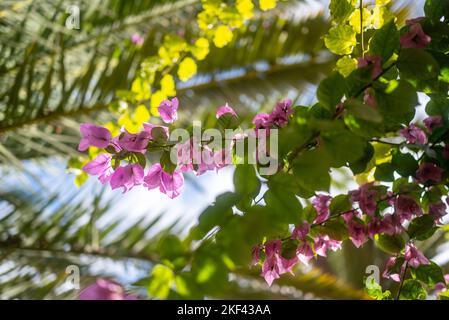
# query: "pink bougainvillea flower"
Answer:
x=224 y=110
x=375 y=226
x=406 y=208
x=429 y=172
x=204 y=159
x=148 y=127
x=437 y=210
x=304 y=253
x=413 y=134
x=185 y=155
x=368 y=98
x=115 y=144
x=321 y=204
x=134 y=142
x=371 y=61
x=414 y=257
x=357 y=233
x=127 y=177
x=93 y=135
x=274 y=264
x=104 y=289
x=323 y=243
x=281 y=113
x=348 y=216
x=415 y=37
x=255 y=253
x=101 y=167
x=168 y=110
x=433 y=122
x=153 y=178
x=137 y=39
x=366 y=197
x=389 y=273
x=171 y=184
x=301 y=231
x=262 y=121
x=391 y=224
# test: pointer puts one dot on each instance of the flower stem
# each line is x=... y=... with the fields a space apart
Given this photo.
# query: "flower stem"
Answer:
x=402 y=281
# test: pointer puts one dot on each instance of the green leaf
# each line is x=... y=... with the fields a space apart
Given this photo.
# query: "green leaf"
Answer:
x=170 y=247
x=208 y=268
x=284 y=203
x=166 y=163
x=340 y=204
x=436 y=9
x=390 y=244
x=161 y=280
x=343 y=147
x=384 y=172
x=402 y=185
x=413 y=290
x=396 y=102
x=422 y=228
x=331 y=90
x=444 y=295
x=346 y=65
x=341 y=10
x=430 y=274
x=141 y=159
x=362 y=111
x=404 y=163
x=228 y=121
x=385 y=41
x=417 y=64
x=159 y=135
x=335 y=229
x=311 y=169
x=438 y=106
x=217 y=213
x=361 y=165
x=374 y=289
x=246 y=181
x=341 y=40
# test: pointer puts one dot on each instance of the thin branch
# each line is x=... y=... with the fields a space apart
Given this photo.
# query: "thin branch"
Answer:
x=402 y=281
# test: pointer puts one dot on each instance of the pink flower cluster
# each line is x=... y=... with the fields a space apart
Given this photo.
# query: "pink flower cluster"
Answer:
x=104 y=289
x=192 y=155
x=125 y=146
x=362 y=224
x=415 y=37
x=275 y=264
x=278 y=118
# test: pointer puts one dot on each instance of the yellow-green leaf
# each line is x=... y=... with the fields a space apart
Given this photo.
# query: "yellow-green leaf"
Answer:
x=346 y=65
x=141 y=114
x=246 y=8
x=168 y=85
x=267 y=4
x=200 y=49
x=156 y=100
x=341 y=40
x=354 y=20
x=187 y=69
x=141 y=88
x=381 y=15
x=222 y=36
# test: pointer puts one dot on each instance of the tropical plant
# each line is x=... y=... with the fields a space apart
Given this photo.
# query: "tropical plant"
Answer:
x=54 y=78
